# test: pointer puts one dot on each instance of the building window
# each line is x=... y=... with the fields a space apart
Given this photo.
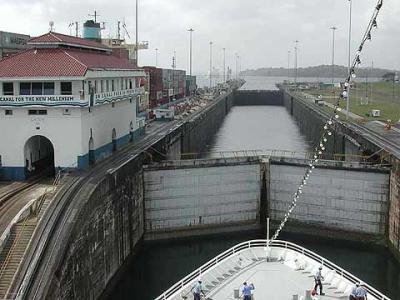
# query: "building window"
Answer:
x=130 y=84
x=48 y=88
x=37 y=88
x=66 y=88
x=122 y=84
x=8 y=112
x=107 y=86
x=25 y=88
x=8 y=88
x=37 y=112
x=112 y=86
x=95 y=87
x=126 y=84
x=101 y=86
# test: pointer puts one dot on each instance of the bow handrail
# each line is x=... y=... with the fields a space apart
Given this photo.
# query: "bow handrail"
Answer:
x=263 y=244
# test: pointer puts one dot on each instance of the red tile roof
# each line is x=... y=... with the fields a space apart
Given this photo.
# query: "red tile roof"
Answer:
x=59 y=62
x=54 y=38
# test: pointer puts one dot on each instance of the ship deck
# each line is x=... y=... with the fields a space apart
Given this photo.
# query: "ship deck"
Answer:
x=273 y=281
x=278 y=270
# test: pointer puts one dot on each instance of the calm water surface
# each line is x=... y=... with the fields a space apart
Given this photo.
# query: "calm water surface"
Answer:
x=258 y=128
x=158 y=266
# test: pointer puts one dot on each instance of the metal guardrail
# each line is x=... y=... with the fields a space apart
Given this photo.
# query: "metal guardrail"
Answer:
x=272 y=153
x=221 y=258
x=362 y=130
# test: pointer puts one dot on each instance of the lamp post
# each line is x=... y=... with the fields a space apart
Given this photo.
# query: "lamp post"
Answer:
x=295 y=60
x=191 y=53
x=156 y=57
x=137 y=34
x=237 y=67
x=349 y=59
x=333 y=28
x=240 y=65
x=288 y=65
x=211 y=43
x=173 y=75
x=223 y=49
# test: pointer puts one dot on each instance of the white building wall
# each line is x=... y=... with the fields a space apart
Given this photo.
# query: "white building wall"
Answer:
x=69 y=134
x=62 y=130
x=103 y=118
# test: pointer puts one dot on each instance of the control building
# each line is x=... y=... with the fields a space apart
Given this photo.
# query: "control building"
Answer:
x=65 y=102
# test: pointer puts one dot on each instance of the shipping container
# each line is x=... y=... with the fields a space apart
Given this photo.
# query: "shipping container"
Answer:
x=156 y=86
x=191 y=85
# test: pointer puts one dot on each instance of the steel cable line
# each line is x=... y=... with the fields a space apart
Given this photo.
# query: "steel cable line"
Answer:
x=329 y=125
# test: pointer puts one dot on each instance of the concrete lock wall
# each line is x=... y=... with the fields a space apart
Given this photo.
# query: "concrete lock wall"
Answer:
x=394 y=212
x=258 y=97
x=182 y=196
x=311 y=123
x=344 y=199
x=198 y=132
x=106 y=231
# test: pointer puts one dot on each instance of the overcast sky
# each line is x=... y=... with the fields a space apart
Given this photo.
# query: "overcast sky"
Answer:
x=260 y=31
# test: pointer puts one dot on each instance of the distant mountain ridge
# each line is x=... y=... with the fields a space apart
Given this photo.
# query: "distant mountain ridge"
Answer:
x=323 y=71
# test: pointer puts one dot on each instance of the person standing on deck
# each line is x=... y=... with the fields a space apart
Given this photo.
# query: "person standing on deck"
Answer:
x=246 y=290
x=353 y=294
x=361 y=293
x=318 y=281
x=197 y=290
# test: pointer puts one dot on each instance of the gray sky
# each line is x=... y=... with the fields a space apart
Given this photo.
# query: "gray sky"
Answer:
x=261 y=31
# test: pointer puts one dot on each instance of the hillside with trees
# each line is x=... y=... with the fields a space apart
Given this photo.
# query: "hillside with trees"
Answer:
x=322 y=71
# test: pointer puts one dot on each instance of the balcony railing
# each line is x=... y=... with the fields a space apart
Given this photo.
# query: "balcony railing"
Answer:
x=117 y=95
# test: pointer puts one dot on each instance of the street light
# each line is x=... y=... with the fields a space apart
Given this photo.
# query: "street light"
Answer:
x=211 y=43
x=240 y=65
x=237 y=65
x=349 y=59
x=295 y=60
x=191 y=32
x=223 y=49
x=288 y=65
x=156 y=57
x=333 y=28
x=137 y=34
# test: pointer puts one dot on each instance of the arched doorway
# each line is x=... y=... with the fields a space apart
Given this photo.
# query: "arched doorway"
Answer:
x=39 y=156
x=114 y=140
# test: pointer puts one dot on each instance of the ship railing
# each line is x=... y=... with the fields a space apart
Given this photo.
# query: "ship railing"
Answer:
x=221 y=258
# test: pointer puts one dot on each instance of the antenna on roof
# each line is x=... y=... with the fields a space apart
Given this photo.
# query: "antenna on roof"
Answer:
x=126 y=30
x=76 y=25
x=70 y=27
x=95 y=16
x=119 y=30
x=51 y=23
x=76 y=29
